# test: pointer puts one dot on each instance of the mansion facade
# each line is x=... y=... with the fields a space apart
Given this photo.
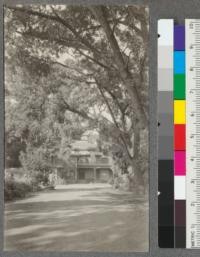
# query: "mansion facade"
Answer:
x=91 y=165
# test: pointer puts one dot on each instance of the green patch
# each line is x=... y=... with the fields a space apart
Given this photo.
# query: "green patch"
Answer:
x=179 y=86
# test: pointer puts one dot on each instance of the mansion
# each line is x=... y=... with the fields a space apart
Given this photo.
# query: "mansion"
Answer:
x=91 y=165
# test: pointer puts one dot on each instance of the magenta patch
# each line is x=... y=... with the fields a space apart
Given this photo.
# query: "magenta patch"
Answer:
x=179 y=163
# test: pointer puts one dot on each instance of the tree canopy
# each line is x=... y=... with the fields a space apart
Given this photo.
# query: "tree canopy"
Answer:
x=69 y=68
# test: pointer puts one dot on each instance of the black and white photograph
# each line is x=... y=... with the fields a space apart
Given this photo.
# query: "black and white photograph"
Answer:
x=76 y=128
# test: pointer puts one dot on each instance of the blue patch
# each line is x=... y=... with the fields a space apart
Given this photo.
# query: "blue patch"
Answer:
x=179 y=62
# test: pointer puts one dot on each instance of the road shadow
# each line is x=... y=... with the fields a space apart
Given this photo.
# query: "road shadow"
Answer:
x=69 y=220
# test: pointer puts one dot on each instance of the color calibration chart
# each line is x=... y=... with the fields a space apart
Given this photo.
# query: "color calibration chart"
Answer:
x=179 y=134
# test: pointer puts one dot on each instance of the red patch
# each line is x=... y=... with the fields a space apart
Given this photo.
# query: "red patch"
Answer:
x=179 y=137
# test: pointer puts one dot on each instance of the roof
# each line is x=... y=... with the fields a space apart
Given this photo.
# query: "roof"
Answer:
x=85 y=153
x=91 y=133
x=83 y=145
x=80 y=153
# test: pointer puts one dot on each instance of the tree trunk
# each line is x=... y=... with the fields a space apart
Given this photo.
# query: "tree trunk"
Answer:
x=136 y=165
x=100 y=13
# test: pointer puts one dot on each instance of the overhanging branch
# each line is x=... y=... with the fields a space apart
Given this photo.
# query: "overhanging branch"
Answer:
x=114 y=120
x=101 y=14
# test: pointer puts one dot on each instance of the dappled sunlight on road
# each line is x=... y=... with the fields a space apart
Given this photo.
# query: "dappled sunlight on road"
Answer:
x=90 y=217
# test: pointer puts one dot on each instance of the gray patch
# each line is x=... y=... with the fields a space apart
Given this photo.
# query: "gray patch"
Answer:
x=165 y=60
x=165 y=148
x=166 y=124
x=165 y=80
x=165 y=102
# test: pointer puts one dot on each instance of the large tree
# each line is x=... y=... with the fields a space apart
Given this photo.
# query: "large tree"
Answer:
x=98 y=53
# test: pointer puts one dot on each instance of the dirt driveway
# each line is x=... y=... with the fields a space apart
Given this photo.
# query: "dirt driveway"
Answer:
x=81 y=217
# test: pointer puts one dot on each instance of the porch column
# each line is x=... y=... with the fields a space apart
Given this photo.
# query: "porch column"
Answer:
x=95 y=174
x=76 y=170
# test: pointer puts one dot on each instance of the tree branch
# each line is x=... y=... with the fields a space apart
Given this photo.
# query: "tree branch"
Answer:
x=59 y=20
x=121 y=109
x=100 y=13
x=72 y=68
x=76 y=34
x=76 y=111
x=62 y=41
x=114 y=120
x=140 y=16
x=93 y=59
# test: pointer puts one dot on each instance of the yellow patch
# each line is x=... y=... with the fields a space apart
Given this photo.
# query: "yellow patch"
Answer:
x=179 y=112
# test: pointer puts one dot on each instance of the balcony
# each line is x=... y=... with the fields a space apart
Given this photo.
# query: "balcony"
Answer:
x=103 y=162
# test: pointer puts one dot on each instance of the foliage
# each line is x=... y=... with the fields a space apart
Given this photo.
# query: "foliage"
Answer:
x=16 y=190
x=80 y=67
x=36 y=164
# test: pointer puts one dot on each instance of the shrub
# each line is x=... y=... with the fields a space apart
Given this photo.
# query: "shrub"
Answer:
x=16 y=190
